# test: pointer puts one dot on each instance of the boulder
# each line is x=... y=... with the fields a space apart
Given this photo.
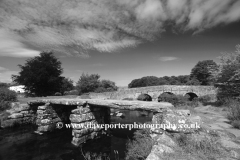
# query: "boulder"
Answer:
x=160 y=149
x=164 y=139
x=15 y=115
x=178 y=122
x=153 y=156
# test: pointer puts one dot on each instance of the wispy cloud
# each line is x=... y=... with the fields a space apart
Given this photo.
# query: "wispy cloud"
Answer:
x=73 y=27
x=164 y=59
x=11 y=47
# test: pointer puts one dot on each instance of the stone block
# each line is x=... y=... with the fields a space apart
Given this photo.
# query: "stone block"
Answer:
x=81 y=110
x=24 y=107
x=55 y=120
x=14 y=105
x=42 y=107
x=78 y=141
x=12 y=111
x=82 y=132
x=45 y=111
x=46 y=121
x=24 y=112
x=157 y=118
x=15 y=115
x=81 y=118
x=153 y=156
x=46 y=128
x=44 y=116
x=181 y=123
x=87 y=124
x=160 y=149
x=28 y=115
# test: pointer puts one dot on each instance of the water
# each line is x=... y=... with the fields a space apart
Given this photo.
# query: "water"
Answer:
x=22 y=144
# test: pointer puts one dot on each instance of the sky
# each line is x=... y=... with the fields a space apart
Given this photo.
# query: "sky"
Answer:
x=120 y=40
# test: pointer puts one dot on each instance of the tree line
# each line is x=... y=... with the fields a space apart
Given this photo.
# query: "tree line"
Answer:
x=202 y=73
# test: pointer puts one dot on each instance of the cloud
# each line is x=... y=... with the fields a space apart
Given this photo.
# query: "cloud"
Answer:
x=164 y=59
x=10 y=47
x=5 y=76
x=74 y=27
x=3 y=69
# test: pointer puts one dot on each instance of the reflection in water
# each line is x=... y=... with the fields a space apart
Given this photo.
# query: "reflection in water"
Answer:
x=22 y=144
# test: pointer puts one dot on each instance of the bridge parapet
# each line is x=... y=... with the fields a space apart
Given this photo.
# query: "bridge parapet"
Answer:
x=155 y=91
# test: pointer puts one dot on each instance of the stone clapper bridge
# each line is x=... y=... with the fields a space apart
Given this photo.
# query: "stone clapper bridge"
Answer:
x=85 y=111
x=97 y=109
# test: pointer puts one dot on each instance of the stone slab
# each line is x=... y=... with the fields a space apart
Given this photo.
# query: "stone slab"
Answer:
x=118 y=104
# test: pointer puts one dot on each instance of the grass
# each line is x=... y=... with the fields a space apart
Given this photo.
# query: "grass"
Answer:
x=233 y=112
x=140 y=147
x=190 y=147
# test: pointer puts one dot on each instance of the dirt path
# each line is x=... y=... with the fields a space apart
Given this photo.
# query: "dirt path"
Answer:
x=215 y=118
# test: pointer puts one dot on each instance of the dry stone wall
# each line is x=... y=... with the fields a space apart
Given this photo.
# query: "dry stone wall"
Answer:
x=19 y=114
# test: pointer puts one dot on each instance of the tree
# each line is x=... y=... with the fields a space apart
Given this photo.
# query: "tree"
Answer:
x=4 y=85
x=204 y=72
x=228 y=78
x=41 y=75
x=67 y=85
x=144 y=82
x=106 y=86
x=91 y=83
x=88 y=83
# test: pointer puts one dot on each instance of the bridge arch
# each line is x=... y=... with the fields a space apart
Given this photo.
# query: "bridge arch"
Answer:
x=164 y=95
x=191 y=96
x=144 y=97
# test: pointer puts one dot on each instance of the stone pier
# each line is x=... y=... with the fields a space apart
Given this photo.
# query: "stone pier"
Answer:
x=88 y=116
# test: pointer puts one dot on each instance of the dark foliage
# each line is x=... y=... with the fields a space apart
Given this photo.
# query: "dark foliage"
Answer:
x=4 y=85
x=6 y=96
x=155 y=81
x=41 y=75
x=203 y=71
x=92 y=83
x=67 y=85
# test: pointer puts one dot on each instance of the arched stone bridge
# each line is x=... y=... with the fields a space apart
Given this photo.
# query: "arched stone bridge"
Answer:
x=156 y=91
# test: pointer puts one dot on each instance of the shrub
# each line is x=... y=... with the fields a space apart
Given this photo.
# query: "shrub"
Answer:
x=4 y=105
x=178 y=100
x=205 y=99
x=205 y=146
x=236 y=124
x=7 y=95
x=166 y=97
x=140 y=147
x=234 y=110
x=144 y=97
x=57 y=94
